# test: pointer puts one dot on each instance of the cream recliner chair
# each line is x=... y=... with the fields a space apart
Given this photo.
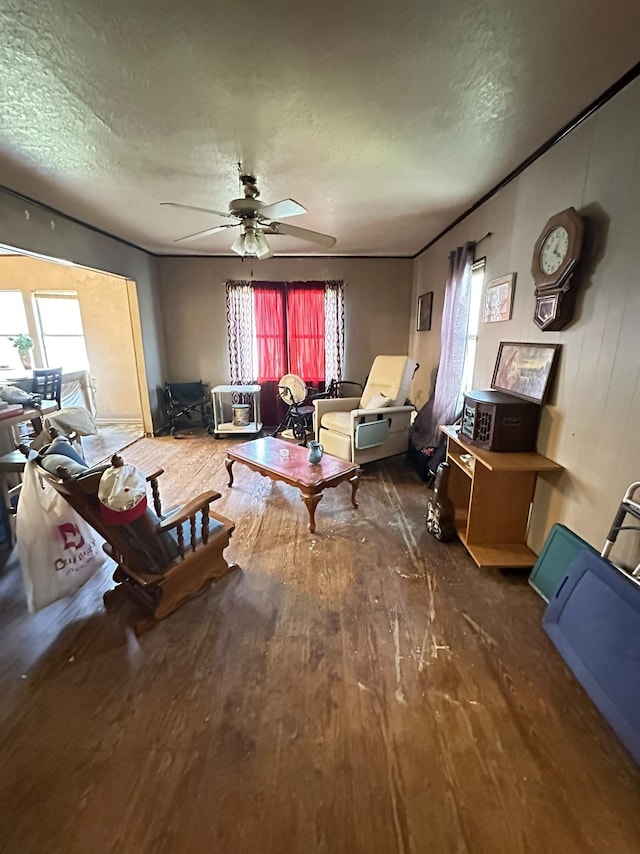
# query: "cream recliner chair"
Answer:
x=348 y=429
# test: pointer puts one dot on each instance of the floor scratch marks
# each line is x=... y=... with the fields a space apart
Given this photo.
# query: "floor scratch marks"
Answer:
x=399 y=695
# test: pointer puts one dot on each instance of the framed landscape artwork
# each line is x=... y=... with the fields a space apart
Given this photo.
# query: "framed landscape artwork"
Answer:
x=524 y=370
x=498 y=299
x=425 y=304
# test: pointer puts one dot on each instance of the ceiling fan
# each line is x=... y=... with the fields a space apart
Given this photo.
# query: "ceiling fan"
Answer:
x=256 y=220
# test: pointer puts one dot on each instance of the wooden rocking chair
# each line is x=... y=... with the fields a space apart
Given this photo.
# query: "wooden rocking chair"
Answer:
x=155 y=564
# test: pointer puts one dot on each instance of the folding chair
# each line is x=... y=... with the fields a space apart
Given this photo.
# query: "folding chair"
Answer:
x=185 y=399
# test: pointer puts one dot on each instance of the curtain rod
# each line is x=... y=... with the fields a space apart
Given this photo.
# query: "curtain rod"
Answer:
x=488 y=234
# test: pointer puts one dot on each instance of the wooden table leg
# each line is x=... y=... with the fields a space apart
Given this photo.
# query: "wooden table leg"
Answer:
x=312 y=502
x=229 y=463
x=354 y=481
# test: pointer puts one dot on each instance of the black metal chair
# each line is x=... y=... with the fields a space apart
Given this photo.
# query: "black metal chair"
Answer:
x=335 y=389
x=182 y=400
x=47 y=384
x=299 y=415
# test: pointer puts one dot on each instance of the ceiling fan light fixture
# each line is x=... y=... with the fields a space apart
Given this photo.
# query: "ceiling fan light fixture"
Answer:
x=264 y=250
x=250 y=242
x=238 y=245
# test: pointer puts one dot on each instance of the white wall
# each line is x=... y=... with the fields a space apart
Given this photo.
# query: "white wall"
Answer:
x=591 y=424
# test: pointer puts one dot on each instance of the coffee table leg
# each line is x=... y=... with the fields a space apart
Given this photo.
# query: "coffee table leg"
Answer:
x=354 y=481
x=312 y=502
x=229 y=463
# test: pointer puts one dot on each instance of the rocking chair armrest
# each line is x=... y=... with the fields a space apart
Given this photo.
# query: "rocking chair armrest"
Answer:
x=154 y=474
x=183 y=514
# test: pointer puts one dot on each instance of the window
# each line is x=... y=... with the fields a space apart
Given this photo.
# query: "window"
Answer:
x=13 y=321
x=276 y=328
x=60 y=327
x=475 y=299
x=290 y=331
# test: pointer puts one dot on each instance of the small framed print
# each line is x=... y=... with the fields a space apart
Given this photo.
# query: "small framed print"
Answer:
x=425 y=304
x=498 y=299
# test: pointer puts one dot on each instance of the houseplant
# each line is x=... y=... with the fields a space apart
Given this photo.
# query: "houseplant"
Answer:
x=24 y=345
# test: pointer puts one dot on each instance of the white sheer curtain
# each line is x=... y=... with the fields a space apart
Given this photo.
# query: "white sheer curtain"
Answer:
x=240 y=325
x=333 y=331
x=241 y=329
x=453 y=340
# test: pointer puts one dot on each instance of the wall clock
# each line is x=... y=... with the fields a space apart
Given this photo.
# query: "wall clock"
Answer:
x=553 y=266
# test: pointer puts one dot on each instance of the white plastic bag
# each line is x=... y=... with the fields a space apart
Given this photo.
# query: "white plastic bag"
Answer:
x=58 y=550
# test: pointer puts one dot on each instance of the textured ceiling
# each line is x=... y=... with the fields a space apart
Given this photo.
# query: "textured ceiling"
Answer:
x=386 y=121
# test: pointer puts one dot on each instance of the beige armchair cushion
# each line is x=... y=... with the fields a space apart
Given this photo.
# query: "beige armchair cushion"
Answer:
x=391 y=376
x=378 y=401
x=339 y=422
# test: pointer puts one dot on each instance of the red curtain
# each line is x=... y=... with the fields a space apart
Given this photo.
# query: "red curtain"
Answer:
x=269 y=307
x=305 y=331
x=290 y=333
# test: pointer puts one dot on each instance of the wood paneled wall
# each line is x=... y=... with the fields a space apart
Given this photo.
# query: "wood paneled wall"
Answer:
x=590 y=425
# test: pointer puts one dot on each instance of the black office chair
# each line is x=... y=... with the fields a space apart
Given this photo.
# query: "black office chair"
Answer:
x=185 y=399
x=47 y=384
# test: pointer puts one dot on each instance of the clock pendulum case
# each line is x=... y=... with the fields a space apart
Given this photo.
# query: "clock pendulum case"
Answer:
x=553 y=267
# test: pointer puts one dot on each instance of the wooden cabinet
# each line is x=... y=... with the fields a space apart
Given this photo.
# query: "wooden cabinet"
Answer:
x=492 y=494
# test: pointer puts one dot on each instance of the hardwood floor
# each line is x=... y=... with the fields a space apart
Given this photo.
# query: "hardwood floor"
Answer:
x=110 y=438
x=361 y=689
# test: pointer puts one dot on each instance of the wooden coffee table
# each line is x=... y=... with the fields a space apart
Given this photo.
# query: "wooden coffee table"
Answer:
x=263 y=456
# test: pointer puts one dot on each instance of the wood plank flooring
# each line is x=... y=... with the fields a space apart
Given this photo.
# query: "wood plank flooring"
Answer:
x=361 y=689
x=111 y=437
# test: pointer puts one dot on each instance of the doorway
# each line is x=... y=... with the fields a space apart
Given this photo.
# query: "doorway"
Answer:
x=88 y=323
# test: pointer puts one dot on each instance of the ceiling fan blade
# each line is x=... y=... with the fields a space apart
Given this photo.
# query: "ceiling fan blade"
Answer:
x=192 y=208
x=282 y=209
x=207 y=232
x=302 y=233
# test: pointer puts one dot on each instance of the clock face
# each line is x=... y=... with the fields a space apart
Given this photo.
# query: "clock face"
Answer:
x=554 y=250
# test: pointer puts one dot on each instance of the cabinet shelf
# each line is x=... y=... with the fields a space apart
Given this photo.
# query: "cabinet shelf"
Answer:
x=467 y=468
x=492 y=496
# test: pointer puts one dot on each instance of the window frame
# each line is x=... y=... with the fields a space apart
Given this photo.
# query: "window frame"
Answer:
x=478 y=271
x=44 y=336
x=17 y=364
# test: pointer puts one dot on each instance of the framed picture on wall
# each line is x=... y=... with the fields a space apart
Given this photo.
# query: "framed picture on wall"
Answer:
x=498 y=299
x=425 y=304
x=524 y=370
